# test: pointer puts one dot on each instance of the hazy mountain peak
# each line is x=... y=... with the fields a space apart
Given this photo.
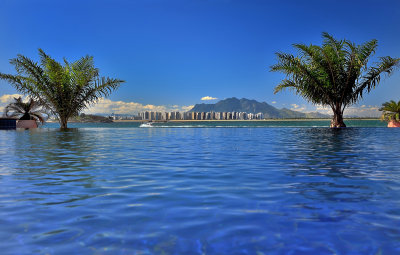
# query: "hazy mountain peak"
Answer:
x=234 y=104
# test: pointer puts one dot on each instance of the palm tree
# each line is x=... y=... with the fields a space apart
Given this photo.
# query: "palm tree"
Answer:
x=31 y=110
x=64 y=89
x=334 y=74
x=391 y=111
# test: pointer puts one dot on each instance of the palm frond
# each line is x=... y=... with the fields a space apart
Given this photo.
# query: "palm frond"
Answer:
x=32 y=109
x=284 y=85
x=373 y=76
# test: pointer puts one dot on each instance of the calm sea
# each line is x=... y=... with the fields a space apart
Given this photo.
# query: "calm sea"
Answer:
x=253 y=188
x=218 y=124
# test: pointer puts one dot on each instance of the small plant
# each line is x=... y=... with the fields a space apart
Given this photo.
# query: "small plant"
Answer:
x=31 y=110
x=391 y=111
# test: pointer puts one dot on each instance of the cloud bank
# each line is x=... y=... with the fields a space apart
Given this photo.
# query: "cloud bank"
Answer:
x=354 y=111
x=362 y=111
x=108 y=106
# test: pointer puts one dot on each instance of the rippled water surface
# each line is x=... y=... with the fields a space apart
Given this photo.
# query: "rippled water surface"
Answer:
x=200 y=191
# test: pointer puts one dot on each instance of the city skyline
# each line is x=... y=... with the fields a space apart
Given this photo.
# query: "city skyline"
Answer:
x=164 y=116
x=175 y=54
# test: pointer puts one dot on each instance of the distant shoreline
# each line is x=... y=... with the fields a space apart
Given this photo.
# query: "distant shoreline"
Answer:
x=265 y=120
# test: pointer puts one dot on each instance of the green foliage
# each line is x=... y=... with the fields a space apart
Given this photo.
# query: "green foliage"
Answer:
x=31 y=110
x=335 y=74
x=91 y=118
x=64 y=89
x=391 y=111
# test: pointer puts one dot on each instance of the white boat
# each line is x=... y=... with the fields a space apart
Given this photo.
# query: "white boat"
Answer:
x=147 y=124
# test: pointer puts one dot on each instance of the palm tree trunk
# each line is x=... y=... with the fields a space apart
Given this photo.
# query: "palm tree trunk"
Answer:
x=63 y=123
x=337 y=120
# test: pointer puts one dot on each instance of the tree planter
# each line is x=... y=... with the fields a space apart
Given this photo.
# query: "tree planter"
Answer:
x=27 y=124
x=394 y=123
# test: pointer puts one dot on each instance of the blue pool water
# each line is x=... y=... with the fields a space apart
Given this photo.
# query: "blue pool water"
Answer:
x=127 y=190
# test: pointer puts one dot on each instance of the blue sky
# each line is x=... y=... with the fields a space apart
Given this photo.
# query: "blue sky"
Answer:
x=173 y=53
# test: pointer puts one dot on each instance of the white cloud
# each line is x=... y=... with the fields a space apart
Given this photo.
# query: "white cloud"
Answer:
x=7 y=98
x=296 y=107
x=323 y=109
x=120 y=107
x=187 y=108
x=208 y=98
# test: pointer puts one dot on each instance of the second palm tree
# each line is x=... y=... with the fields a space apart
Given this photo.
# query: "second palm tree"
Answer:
x=335 y=74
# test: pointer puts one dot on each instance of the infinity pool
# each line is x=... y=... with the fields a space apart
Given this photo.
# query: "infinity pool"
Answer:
x=200 y=191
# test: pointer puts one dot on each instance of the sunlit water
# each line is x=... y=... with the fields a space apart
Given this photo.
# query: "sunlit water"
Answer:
x=200 y=191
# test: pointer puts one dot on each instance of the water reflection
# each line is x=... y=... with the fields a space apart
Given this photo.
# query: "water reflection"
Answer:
x=54 y=151
x=55 y=163
x=331 y=169
x=330 y=152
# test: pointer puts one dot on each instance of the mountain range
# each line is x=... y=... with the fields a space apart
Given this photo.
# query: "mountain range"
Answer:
x=252 y=106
